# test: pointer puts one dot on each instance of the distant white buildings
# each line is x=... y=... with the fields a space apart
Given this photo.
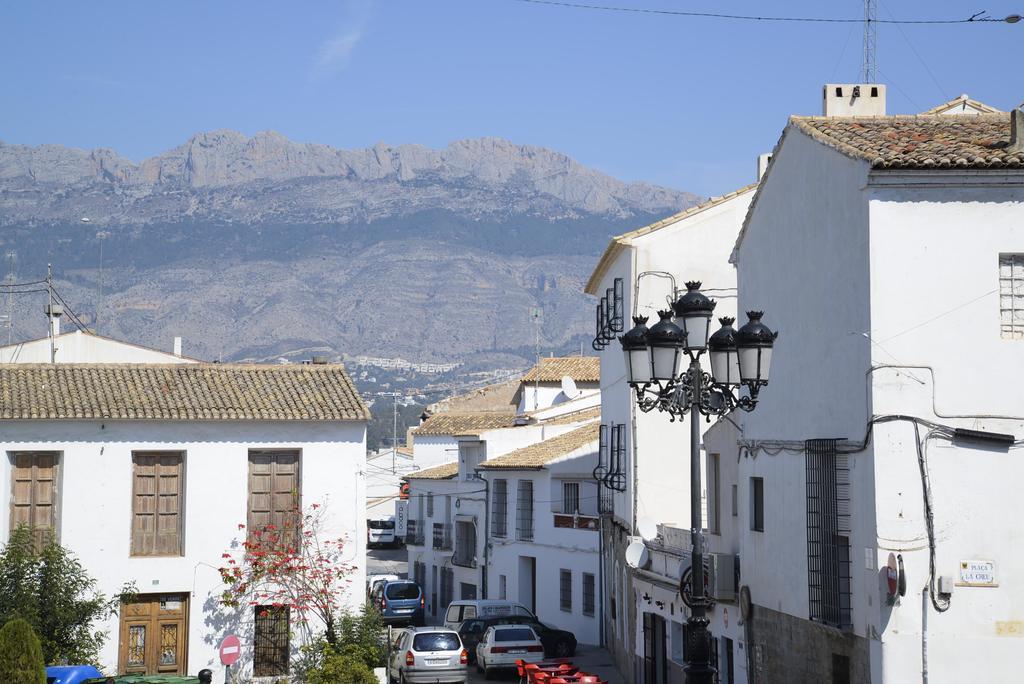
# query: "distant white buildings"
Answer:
x=146 y=471
x=515 y=515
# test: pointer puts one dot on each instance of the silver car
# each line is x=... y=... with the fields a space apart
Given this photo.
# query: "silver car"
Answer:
x=428 y=655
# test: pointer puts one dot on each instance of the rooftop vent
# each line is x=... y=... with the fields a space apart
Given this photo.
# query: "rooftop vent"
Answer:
x=1016 y=130
x=319 y=360
x=853 y=99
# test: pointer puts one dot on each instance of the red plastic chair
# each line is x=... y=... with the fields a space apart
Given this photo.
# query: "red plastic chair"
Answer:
x=557 y=680
x=590 y=679
x=541 y=678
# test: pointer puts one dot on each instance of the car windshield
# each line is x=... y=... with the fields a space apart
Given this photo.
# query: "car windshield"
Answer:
x=521 y=634
x=382 y=524
x=402 y=590
x=436 y=641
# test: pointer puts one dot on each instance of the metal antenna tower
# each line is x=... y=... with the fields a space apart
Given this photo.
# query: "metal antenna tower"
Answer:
x=868 y=72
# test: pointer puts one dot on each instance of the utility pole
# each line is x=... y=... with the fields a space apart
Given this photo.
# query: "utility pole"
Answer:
x=868 y=72
x=537 y=314
x=102 y=236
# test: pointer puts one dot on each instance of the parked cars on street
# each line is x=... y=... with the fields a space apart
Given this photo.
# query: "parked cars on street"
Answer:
x=423 y=655
x=558 y=643
x=373 y=580
x=502 y=645
x=400 y=602
x=465 y=609
x=381 y=533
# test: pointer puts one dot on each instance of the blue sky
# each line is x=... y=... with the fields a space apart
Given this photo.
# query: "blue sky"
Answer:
x=683 y=102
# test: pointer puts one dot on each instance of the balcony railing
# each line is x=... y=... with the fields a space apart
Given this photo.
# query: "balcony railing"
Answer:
x=442 y=536
x=414 y=533
x=577 y=522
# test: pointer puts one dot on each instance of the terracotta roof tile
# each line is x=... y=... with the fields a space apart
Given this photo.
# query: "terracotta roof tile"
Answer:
x=540 y=454
x=196 y=391
x=579 y=368
x=464 y=423
x=918 y=142
x=961 y=103
x=441 y=472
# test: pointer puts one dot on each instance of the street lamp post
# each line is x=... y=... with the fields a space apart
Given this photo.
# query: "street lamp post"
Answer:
x=654 y=359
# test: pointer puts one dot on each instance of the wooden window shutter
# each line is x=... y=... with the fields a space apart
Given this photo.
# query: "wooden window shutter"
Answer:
x=34 y=495
x=274 y=495
x=157 y=504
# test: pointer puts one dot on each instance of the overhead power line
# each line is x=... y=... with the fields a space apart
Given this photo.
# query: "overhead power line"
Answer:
x=978 y=18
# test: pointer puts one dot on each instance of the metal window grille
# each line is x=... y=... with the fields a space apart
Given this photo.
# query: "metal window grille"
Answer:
x=828 y=529
x=419 y=573
x=565 y=590
x=609 y=316
x=588 y=593
x=430 y=505
x=502 y=587
x=447 y=586
x=465 y=544
x=270 y=641
x=442 y=536
x=616 y=477
x=757 y=504
x=601 y=469
x=1011 y=296
x=524 y=511
x=570 y=497
x=499 y=516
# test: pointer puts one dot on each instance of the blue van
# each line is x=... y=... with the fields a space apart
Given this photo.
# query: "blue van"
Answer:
x=400 y=602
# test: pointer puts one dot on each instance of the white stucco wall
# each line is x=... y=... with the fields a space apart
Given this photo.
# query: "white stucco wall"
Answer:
x=95 y=506
x=433 y=450
x=77 y=347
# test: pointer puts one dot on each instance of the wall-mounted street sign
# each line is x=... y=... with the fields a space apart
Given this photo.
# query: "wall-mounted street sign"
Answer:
x=977 y=573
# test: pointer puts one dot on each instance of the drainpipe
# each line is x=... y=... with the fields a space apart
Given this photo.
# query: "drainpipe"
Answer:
x=487 y=533
x=924 y=635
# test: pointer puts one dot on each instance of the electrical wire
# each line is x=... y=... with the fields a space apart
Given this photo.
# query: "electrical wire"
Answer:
x=975 y=19
x=68 y=310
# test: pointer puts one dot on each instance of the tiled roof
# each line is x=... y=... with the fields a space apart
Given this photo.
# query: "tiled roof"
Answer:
x=463 y=423
x=495 y=397
x=619 y=242
x=178 y=392
x=579 y=368
x=540 y=454
x=963 y=102
x=441 y=472
x=918 y=142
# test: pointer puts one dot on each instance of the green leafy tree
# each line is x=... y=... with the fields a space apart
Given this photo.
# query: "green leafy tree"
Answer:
x=21 y=658
x=48 y=587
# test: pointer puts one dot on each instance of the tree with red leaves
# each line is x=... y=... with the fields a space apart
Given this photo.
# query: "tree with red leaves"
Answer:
x=294 y=565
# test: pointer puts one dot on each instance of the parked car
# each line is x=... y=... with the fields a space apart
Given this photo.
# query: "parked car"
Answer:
x=373 y=580
x=502 y=645
x=400 y=602
x=381 y=533
x=465 y=609
x=558 y=643
x=428 y=654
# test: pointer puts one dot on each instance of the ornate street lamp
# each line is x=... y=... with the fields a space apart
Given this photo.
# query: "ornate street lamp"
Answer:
x=738 y=359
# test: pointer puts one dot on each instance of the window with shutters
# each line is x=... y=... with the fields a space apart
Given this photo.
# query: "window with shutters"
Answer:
x=499 y=516
x=157 y=503
x=524 y=511
x=588 y=593
x=565 y=590
x=275 y=498
x=270 y=641
x=35 y=492
x=1011 y=296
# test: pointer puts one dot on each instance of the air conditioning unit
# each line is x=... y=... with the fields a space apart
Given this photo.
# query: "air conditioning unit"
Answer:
x=722 y=576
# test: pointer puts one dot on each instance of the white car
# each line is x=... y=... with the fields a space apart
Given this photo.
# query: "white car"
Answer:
x=502 y=645
x=381 y=533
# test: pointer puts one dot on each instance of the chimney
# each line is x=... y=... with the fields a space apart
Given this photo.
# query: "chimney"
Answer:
x=762 y=164
x=853 y=99
x=177 y=347
x=1016 y=131
x=319 y=360
x=53 y=313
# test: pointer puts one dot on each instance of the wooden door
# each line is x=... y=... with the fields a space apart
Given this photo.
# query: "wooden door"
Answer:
x=154 y=635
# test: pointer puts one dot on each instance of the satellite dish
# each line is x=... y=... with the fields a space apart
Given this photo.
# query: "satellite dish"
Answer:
x=637 y=555
x=647 y=528
x=569 y=387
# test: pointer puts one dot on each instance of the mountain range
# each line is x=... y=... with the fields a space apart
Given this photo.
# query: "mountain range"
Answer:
x=261 y=247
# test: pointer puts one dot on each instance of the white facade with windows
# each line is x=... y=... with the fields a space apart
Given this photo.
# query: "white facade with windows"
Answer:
x=646 y=456
x=156 y=501
x=894 y=286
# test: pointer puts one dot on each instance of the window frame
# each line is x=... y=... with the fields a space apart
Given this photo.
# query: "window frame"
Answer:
x=272 y=668
x=589 y=593
x=1011 y=292
x=714 y=472
x=181 y=496
x=568 y=495
x=565 y=590
x=524 y=513
x=57 y=490
x=499 y=512
x=757 y=504
x=296 y=493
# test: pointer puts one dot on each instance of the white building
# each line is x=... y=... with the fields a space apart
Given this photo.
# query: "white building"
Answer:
x=889 y=252
x=645 y=467
x=146 y=471
x=544 y=530
x=86 y=347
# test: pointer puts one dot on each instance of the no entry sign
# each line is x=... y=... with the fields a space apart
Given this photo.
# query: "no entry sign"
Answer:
x=230 y=650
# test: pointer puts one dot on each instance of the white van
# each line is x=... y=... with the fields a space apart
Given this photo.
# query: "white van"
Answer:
x=468 y=609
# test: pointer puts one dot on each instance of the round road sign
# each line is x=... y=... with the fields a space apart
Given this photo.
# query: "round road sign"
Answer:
x=230 y=650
